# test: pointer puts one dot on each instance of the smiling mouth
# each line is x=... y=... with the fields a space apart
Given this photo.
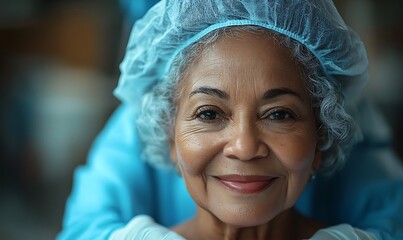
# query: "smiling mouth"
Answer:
x=248 y=184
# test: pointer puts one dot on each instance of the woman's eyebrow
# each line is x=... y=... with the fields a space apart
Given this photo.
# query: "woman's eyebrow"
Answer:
x=273 y=93
x=209 y=91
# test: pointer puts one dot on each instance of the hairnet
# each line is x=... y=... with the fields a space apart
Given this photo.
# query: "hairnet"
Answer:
x=172 y=25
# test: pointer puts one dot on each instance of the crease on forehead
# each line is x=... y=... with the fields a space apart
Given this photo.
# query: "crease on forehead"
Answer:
x=210 y=61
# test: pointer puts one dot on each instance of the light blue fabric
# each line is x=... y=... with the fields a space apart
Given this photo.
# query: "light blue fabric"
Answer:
x=116 y=185
x=368 y=192
x=342 y=232
x=172 y=25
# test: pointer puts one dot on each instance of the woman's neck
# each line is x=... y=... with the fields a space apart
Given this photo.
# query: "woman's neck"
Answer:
x=287 y=225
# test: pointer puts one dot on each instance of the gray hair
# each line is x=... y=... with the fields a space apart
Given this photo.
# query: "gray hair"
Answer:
x=337 y=131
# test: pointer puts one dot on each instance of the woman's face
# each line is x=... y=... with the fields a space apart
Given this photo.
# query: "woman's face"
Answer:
x=245 y=133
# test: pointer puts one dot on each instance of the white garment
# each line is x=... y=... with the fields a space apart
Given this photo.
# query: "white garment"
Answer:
x=143 y=227
x=342 y=232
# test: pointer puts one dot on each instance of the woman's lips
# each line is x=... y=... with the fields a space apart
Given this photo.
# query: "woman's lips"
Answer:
x=246 y=184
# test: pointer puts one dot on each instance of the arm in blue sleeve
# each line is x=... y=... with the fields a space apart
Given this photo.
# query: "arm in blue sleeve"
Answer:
x=113 y=186
x=368 y=192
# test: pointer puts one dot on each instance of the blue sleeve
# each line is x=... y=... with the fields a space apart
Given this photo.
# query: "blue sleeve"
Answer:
x=113 y=186
x=368 y=192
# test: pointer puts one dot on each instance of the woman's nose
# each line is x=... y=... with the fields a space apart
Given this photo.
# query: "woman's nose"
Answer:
x=245 y=144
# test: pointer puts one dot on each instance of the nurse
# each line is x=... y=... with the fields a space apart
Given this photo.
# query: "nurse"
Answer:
x=246 y=102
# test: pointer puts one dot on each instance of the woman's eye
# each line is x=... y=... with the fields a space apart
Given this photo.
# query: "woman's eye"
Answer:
x=278 y=115
x=207 y=115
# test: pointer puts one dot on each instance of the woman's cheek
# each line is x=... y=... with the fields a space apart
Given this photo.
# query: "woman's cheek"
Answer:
x=195 y=151
x=296 y=153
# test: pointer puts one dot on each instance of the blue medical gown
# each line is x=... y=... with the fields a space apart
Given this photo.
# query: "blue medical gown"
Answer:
x=116 y=184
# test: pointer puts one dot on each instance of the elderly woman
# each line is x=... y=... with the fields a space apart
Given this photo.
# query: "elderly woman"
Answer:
x=246 y=102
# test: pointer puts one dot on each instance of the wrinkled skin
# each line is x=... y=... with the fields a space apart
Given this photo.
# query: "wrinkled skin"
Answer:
x=244 y=112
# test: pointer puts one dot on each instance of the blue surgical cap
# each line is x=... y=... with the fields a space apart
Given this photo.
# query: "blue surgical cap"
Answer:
x=172 y=25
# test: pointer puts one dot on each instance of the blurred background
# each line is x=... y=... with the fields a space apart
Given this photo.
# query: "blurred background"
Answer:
x=58 y=67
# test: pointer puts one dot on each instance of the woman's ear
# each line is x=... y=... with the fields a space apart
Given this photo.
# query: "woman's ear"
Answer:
x=172 y=144
x=317 y=160
x=174 y=156
x=321 y=133
x=172 y=151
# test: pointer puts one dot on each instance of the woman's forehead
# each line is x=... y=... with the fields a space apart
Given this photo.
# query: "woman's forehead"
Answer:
x=247 y=51
x=248 y=60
